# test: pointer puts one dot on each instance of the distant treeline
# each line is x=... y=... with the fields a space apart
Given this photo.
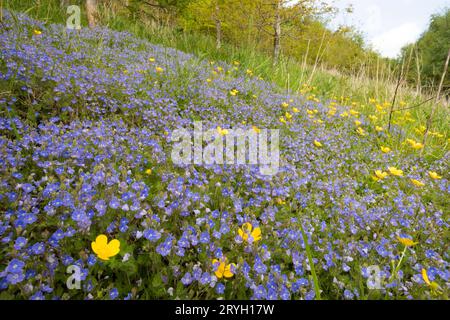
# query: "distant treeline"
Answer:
x=297 y=30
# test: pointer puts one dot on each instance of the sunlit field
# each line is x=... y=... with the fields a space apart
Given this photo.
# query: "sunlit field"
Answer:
x=92 y=205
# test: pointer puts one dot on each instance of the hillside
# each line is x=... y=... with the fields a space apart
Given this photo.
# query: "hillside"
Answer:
x=87 y=121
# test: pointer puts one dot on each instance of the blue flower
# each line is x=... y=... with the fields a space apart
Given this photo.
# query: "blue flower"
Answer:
x=206 y=278
x=152 y=235
x=15 y=278
x=27 y=188
x=259 y=266
x=187 y=279
x=38 y=248
x=348 y=295
x=114 y=203
x=92 y=259
x=15 y=266
x=220 y=288
x=20 y=243
x=260 y=293
x=113 y=294
x=165 y=247
x=37 y=296
x=204 y=237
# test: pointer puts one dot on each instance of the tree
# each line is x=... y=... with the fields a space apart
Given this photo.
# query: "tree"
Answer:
x=430 y=54
x=91 y=10
x=216 y=17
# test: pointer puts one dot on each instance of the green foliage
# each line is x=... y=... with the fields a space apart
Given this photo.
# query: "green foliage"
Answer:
x=429 y=53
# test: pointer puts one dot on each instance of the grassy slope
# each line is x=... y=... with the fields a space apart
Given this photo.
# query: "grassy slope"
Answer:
x=290 y=74
x=340 y=132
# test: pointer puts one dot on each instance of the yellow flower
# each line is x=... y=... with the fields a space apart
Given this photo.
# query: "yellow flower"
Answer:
x=247 y=230
x=249 y=72
x=295 y=110
x=37 y=32
x=151 y=59
x=256 y=129
x=418 y=183
x=148 y=171
x=318 y=144
x=223 y=269
x=234 y=92
x=236 y=63
x=288 y=116
x=103 y=249
x=396 y=172
x=208 y=80
x=434 y=175
x=280 y=201
x=406 y=242
x=285 y=104
x=361 y=131
x=354 y=113
x=159 y=70
x=373 y=118
x=415 y=145
x=358 y=123
x=282 y=120
x=222 y=132
x=385 y=149
x=381 y=174
x=433 y=285
x=379 y=129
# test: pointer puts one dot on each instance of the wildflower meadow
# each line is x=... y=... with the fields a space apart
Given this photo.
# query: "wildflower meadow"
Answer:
x=93 y=205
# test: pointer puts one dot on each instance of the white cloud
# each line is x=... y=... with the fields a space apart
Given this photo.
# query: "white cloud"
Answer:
x=390 y=42
x=374 y=21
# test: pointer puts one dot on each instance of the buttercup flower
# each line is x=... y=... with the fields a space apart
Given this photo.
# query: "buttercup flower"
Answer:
x=318 y=144
x=406 y=241
x=222 y=132
x=418 y=183
x=380 y=175
x=433 y=285
x=256 y=129
x=104 y=249
x=247 y=231
x=434 y=175
x=396 y=172
x=223 y=270
x=385 y=149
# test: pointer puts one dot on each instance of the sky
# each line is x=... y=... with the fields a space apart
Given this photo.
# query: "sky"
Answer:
x=388 y=25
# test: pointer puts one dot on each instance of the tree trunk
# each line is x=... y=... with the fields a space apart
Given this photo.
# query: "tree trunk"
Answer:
x=218 y=25
x=64 y=3
x=277 y=32
x=91 y=9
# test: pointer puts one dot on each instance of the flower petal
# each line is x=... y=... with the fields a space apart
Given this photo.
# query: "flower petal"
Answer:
x=256 y=234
